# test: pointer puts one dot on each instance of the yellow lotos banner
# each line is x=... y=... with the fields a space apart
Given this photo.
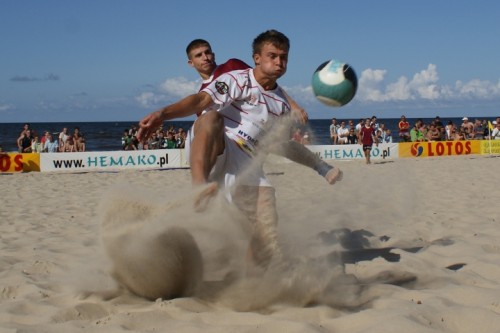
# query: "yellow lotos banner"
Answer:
x=12 y=162
x=439 y=148
x=490 y=147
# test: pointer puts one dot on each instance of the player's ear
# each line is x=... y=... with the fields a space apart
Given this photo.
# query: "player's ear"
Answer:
x=190 y=63
x=256 y=59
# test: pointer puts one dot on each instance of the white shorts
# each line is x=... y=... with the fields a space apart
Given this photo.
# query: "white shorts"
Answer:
x=234 y=167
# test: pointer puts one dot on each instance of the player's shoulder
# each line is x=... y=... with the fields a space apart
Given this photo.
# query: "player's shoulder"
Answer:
x=229 y=66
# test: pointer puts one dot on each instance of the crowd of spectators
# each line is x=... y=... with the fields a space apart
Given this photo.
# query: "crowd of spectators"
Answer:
x=479 y=129
x=162 y=138
x=29 y=141
x=346 y=132
x=341 y=132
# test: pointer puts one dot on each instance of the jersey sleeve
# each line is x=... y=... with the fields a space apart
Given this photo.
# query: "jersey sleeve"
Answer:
x=225 y=89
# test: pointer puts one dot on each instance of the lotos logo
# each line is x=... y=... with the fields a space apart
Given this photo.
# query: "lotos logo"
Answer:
x=9 y=163
x=443 y=148
x=416 y=149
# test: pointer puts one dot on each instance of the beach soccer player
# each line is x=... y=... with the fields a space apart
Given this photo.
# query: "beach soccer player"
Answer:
x=246 y=104
x=367 y=136
x=202 y=58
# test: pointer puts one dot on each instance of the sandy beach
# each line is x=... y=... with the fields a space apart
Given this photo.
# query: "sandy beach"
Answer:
x=406 y=245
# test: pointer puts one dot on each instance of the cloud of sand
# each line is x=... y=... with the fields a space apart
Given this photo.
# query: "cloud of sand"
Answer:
x=137 y=232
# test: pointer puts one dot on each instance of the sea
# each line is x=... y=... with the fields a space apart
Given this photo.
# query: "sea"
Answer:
x=106 y=136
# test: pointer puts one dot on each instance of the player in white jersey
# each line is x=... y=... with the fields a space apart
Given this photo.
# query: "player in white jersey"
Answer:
x=247 y=102
x=202 y=59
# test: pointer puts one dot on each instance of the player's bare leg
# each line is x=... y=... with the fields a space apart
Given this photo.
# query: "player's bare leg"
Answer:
x=298 y=153
x=333 y=175
x=259 y=205
x=208 y=143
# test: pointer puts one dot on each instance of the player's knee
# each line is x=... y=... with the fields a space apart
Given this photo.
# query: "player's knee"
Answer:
x=211 y=121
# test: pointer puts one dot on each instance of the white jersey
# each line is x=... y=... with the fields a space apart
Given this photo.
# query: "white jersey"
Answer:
x=248 y=110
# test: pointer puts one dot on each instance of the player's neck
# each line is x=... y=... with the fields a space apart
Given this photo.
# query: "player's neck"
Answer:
x=266 y=82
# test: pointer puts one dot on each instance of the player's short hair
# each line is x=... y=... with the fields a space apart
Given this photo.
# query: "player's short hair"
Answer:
x=196 y=43
x=272 y=36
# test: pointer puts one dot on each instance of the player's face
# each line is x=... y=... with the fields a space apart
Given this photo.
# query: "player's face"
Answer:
x=272 y=61
x=203 y=60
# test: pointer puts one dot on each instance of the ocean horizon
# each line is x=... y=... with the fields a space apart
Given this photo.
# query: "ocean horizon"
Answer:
x=106 y=135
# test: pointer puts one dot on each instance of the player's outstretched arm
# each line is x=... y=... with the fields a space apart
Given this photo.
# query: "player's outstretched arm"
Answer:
x=187 y=106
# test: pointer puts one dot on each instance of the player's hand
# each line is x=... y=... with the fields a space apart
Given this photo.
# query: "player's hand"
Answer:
x=148 y=125
x=300 y=115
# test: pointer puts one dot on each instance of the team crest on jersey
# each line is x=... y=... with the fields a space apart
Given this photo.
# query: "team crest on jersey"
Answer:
x=221 y=87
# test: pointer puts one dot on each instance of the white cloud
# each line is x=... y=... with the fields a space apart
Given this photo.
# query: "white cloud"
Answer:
x=373 y=89
x=168 y=91
x=6 y=107
x=148 y=99
x=424 y=86
x=179 y=87
x=478 y=88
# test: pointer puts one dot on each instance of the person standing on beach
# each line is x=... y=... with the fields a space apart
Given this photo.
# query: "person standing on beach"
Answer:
x=243 y=105
x=202 y=58
x=366 y=138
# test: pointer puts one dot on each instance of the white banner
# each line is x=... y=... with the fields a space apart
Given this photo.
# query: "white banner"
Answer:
x=111 y=160
x=355 y=151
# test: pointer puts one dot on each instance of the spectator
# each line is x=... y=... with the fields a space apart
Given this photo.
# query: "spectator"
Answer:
x=440 y=127
x=36 y=146
x=352 y=138
x=78 y=139
x=24 y=141
x=26 y=127
x=478 y=130
x=170 y=142
x=50 y=145
x=69 y=145
x=128 y=141
x=461 y=134
x=433 y=134
x=125 y=136
x=468 y=128
x=415 y=134
x=153 y=142
x=180 y=138
x=387 y=137
x=63 y=137
x=379 y=136
x=495 y=134
x=342 y=133
x=374 y=124
x=333 y=131
x=450 y=131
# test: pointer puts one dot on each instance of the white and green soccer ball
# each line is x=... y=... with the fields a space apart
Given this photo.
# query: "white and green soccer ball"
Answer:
x=334 y=83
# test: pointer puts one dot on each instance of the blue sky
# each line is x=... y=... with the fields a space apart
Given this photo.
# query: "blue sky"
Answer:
x=117 y=60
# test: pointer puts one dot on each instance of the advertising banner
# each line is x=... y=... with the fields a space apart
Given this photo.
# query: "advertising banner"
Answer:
x=439 y=148
x=17 y=162
x=490 y=147
x=349 y=152
x=111 y=160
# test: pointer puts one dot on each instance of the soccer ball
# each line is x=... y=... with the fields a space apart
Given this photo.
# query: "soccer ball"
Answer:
x=334 y=83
